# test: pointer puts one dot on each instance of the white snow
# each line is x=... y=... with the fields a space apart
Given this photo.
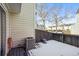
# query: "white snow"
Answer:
x=55 y=48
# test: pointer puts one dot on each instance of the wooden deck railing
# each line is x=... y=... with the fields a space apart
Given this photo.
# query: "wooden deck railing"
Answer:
x=65 y=38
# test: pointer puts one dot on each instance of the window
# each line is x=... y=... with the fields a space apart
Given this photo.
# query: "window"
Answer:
x=2 y=31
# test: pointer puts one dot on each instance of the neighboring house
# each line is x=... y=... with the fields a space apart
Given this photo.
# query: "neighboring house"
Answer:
x=18 y=22
x=66 y=28
x=41 y=27
x=75 y=27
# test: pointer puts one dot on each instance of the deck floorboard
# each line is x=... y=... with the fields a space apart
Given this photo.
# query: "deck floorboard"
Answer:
x=17 y=52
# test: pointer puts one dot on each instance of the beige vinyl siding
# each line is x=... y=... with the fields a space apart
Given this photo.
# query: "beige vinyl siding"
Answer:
x=22 y=24
x=75 y=27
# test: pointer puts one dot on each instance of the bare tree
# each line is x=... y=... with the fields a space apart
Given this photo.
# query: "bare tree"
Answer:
x=40 y=8
x=41 y=11
x=57 y=19
x=55 y=16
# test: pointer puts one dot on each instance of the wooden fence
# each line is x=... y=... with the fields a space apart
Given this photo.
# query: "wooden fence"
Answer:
x=65 y=38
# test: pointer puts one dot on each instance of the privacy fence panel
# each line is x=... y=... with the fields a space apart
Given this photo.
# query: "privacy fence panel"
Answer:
x=57 y=37
x=64 y=38
x=40 y=34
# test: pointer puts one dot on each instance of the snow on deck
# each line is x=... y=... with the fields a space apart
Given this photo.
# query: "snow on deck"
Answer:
x=55 y=48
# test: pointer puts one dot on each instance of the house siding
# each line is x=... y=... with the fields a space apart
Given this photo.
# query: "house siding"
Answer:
x=75 y=27
x=22 y=24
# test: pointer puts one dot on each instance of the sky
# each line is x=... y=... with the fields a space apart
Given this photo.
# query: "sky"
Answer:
x=72 y=7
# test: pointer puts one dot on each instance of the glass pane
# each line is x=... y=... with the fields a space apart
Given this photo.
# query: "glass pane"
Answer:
x=0 y=32
x=3 y=32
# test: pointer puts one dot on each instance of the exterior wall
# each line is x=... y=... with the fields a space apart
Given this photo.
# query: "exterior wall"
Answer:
x=19 y=26
x=7 y=24
x=40 y=27
x=22 y=24
x=75 y=27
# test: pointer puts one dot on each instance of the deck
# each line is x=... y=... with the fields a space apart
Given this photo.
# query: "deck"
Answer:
x=19 y=51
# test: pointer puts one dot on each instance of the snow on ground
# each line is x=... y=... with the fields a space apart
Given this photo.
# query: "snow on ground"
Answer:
x=55 y=48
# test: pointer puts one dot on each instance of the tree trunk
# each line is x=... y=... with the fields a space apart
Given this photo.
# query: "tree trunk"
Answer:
x=56 y=24
x=44 y=24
